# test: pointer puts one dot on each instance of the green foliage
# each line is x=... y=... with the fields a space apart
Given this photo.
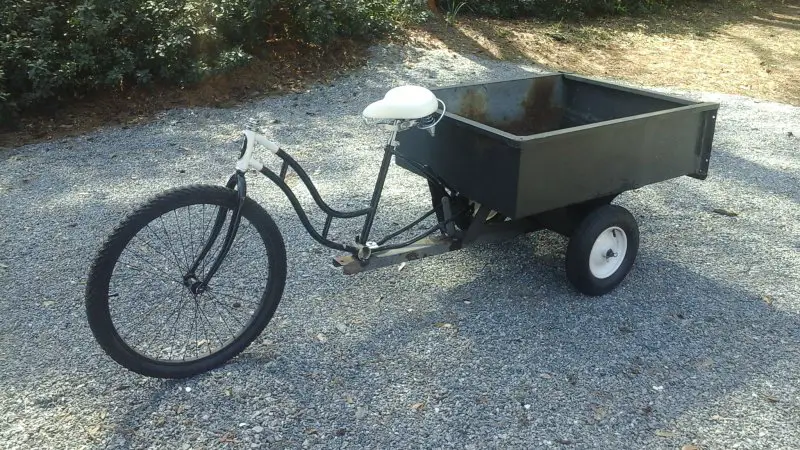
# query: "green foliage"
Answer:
x=453 y=8
x=51 y=49
x=561 y=9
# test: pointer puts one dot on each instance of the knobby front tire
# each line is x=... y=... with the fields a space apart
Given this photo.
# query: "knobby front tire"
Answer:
x=149 y=316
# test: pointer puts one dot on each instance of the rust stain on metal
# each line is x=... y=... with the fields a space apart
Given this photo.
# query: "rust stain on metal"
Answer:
x=473 y=105
x=540 y=110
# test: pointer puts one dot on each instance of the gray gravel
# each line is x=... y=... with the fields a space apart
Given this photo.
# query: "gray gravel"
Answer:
x=699 y=346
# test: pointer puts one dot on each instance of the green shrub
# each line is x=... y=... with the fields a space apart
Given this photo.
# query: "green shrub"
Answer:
x=52 y=49
x=557 y=9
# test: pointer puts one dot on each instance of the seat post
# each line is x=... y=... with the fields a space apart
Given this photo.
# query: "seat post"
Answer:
x=388 y=152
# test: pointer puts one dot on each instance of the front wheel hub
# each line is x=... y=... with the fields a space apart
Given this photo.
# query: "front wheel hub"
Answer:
x=197 y=288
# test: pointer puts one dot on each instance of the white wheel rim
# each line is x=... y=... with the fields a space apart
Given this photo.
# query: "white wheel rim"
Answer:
x=608 y=252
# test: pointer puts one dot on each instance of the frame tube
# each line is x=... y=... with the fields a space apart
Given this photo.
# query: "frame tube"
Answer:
x=405 y=228
x=369 y=213
x=313 y=190
x=301 y=214
x=376 y=195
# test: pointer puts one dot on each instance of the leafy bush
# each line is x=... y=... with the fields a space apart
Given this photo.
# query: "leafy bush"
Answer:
x=557 y=9
x=50 y=49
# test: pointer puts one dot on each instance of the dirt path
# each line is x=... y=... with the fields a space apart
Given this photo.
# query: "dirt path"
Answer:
x=720 y=48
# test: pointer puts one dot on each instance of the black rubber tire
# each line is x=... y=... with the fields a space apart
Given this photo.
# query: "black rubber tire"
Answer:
x=582 y=241
x=100 y=273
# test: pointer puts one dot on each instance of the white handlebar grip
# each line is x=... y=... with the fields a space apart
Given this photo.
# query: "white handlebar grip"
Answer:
x=271 y=146
x=247 y=162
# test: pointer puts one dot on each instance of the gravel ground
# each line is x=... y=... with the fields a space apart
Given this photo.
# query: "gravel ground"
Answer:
x=700 y=346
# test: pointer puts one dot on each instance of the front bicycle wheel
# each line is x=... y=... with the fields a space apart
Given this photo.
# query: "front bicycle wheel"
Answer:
x=142 y=300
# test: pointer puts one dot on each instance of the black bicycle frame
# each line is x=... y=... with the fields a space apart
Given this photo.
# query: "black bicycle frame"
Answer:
x=437 y=186
x=368 y=213
x=236 y=180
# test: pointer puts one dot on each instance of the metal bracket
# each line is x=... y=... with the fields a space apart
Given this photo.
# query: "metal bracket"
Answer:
x=429 y=246
x=447 y=210
x=365 y=250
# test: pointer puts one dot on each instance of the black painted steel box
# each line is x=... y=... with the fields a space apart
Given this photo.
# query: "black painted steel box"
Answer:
x=530 y=145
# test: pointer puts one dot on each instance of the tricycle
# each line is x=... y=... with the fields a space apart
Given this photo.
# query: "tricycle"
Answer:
x=191 y=277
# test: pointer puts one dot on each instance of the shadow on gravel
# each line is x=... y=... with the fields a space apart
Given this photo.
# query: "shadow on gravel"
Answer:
x=515 y=341
x=147 y=406
x=768 y=180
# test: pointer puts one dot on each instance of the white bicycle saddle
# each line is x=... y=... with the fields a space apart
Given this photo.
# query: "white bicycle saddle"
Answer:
x=403 y=103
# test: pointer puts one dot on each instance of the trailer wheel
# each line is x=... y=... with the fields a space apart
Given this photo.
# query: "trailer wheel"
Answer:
x=602 y=250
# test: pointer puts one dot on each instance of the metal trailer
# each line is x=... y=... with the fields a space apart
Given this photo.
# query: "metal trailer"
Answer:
x=502 y=158
x=546 y=151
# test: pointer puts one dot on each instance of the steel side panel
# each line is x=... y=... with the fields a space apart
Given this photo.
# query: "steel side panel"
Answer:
x=477 y=163
x=522 y=175
x=632 y=90
x=563 y=168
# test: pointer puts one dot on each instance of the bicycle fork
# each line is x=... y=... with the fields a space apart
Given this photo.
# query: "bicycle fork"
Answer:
x=190 y=278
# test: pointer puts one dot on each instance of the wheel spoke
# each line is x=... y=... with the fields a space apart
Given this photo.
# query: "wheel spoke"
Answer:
x=231 y=253
x=146 y=315
x=203 y=270
x=180 y=237
x=194 y=327
x=191 y=235
x=156 y=235
x=170 y=340
x=155 y=274
x=169 y=243
x=199 y=344
x=222 y=318
x=226 y=309
x=225 y=294
x=146 y=242
x=178 y=309
x=213 y=329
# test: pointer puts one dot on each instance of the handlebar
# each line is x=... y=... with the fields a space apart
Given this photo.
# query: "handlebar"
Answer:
x=246 y=161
